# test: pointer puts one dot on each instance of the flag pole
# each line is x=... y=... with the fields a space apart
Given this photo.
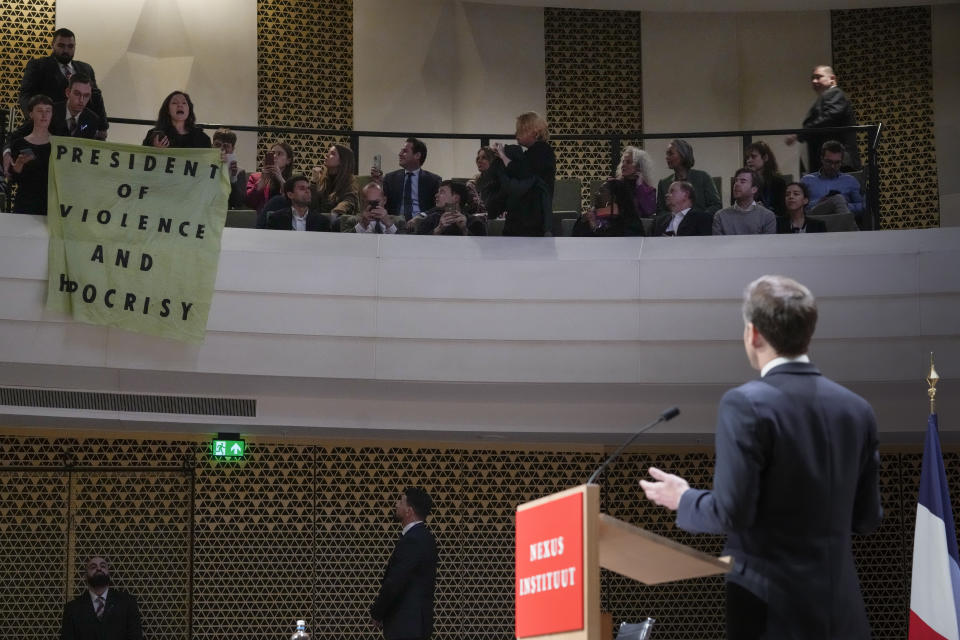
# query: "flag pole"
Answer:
x=932 y=379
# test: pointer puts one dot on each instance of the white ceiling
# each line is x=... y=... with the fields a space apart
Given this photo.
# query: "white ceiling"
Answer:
x=702 y=6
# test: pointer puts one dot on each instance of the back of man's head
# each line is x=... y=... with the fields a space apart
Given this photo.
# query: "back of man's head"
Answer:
x=419 y=500
x=783 y=311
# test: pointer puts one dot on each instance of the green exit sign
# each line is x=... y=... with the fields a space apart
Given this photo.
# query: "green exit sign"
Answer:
x=228 y=448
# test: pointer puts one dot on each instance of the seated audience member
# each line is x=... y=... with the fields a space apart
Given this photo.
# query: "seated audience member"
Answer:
x=30 y=155
x=226 y=140
x=613 y=213
x=682 y=219
x=298 y=216
x=70 y=117
x=176 y=125
x=486 y=184
x=761 y=160
x=262 y=185
x=50 y=76
x=796 y=221
x=334 y=186
x=373 y=216
x=528 y=178
x=830 y=190
x=680 y=159
x=448 y=219
x=411 y=189
x=636 y=169
x=745 y=217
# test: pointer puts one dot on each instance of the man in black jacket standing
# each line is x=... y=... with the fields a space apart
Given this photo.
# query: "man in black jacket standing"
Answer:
x=50 y=76
x=404 y=607
x=102 y=612
x=831 y=109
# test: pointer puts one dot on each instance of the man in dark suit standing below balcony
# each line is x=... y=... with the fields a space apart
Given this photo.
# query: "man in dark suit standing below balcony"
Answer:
x=50 y=76
x=102 y=612
x=830 y=109
x=404 y=607
x=795 y=475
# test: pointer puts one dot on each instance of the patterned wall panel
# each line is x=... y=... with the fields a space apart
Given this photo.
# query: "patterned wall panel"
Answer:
x=25 y=28
x=593 y=85
x=883 y=61
x=305 y=72
x=304 y=530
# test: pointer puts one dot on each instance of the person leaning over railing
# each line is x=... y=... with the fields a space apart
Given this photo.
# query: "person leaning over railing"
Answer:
x=528 y=177
x=680 y=159
x=176 y=125
x=31 y=157
x=334 y=187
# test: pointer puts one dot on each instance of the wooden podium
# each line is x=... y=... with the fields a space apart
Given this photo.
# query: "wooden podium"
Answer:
x=562 y=542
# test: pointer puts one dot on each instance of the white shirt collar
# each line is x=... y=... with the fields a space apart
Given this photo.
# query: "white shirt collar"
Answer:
x=736 y=205
x=776 y=362
x=410 y=526
x=93 y=598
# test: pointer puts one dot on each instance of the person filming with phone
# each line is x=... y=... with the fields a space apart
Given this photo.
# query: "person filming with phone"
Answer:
x=373 y=213
x=276 y=169
x=448 y=218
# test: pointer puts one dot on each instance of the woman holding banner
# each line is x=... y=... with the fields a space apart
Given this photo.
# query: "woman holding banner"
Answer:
x=177 y=125
x=31 y=158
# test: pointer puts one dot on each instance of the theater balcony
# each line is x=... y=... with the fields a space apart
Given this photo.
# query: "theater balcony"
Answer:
x=483 y=339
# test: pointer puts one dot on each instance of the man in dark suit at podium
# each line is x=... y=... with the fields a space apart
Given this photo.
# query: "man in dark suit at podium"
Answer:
x=102 y=612
x=404 y=606
x=795 y=475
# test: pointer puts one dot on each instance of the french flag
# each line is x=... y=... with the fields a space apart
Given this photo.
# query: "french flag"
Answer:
x=935 y=585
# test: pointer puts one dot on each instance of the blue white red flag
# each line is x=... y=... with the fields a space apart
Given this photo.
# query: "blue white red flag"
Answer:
x=935 y=586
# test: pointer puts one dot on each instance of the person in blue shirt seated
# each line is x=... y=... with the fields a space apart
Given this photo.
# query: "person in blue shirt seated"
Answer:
x=830 y=190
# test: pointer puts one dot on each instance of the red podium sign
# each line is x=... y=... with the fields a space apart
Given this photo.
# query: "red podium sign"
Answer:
x=549 y=568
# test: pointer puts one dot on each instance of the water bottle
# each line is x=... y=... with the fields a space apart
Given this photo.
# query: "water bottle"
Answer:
x=301 y=632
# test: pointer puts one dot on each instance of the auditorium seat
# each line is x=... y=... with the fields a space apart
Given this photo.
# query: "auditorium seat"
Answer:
x=495 y=227
x=241 y=218
x=838 y=221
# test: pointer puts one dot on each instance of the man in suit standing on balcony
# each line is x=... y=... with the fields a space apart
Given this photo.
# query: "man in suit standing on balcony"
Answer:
x=50 y=76
x=404 y=607
x=796 y=474
x=102 y=612
x=830 y=109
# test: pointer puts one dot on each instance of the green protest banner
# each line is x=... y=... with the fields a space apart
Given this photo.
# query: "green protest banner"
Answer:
x=135 y=235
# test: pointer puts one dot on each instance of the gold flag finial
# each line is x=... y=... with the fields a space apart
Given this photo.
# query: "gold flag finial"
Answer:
x=932 y=379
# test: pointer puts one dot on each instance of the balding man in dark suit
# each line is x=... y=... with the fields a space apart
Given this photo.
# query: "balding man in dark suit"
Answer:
x=795 y=476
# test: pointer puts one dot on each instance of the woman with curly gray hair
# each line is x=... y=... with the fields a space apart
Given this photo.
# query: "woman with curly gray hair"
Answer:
x=636 y=170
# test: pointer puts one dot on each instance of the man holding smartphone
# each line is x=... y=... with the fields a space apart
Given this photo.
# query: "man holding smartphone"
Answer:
x=373 y=215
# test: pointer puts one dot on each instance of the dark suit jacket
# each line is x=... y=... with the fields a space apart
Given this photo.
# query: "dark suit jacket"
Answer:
x=87 y=127
x=831 y=109
x=813 y=226
x=427 y=187
x=43 y=75
x=405 y=602
x=282 y=220
x=695 y=223
x=120 y=621
x=795 y=475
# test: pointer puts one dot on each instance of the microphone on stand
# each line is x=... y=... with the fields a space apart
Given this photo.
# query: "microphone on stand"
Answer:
x=669 y=414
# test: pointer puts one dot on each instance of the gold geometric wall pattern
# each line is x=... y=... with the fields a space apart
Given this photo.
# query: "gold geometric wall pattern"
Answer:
x=25 y=29
x=304 y=73
x=883 y=60
x=594 y=86
x=303 y=530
